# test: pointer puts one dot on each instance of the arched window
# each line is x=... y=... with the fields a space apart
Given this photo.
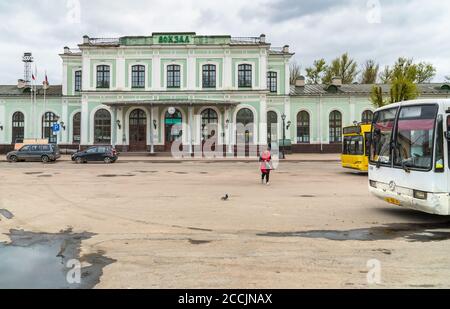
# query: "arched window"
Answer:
x=335 y=127
x=76 y=128
x=48 y=120
x=103 y=76
x=245 y=76
x=18 y=127
x=272 y=127
x=245 y=121
x=209 y=76
x=78 y=76
x=138 y=76
x=367 y=116
x=102 y=127
x=272 y=83
x=173 y=76
x=303 y=128
x=210 y=122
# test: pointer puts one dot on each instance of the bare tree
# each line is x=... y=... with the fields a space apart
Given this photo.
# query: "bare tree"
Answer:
x=295 y=71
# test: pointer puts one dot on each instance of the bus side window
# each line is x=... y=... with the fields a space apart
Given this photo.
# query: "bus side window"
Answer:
x=439 y=161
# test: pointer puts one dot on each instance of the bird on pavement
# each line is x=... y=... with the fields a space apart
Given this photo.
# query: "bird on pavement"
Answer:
x=225 y=198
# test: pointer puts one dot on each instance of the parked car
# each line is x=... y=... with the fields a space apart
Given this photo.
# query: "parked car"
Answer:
x=106 y=154
x=44 y=153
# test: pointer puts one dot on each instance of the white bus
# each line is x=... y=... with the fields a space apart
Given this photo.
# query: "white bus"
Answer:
x=409 y=164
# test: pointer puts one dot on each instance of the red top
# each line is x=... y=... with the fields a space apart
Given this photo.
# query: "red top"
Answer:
x=265 y=160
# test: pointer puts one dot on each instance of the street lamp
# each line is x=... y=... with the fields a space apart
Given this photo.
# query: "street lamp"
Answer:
x=283 y=155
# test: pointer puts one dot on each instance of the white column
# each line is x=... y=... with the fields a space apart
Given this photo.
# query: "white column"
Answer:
x=230 y=130
x=65 y=119
x=152 y=131
x=114 y=126
x=3 y=124
x=84 y=121
x=263 y=121
x=190 y=128
x=119 y=132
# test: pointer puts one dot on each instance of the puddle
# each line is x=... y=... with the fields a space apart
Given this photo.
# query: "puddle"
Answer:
x=113 y=175
x=45 y=176
x=147 y=172
x=39 y=261
x=6 y=213
x=33 y=173
x=413 y=232
x=307 y=196
x=199 y=242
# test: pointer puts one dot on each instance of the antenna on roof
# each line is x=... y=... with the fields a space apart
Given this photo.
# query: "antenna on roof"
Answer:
x=27 y=59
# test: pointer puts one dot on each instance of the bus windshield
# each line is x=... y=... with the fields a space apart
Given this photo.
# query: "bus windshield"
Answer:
x=383 y=125
x=353 y=145
x=415 y=136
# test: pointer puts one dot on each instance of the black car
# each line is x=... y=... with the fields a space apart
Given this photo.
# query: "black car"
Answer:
x=105 y=154
x=43 y=153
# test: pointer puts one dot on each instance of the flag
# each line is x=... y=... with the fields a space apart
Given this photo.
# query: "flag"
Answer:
x=45 y=82
x=33 y=77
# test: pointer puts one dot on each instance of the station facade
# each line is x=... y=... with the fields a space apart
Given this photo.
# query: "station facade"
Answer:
x=134 y=92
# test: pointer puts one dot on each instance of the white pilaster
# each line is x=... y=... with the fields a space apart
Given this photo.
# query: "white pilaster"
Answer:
x=65 y=119
x=86 y=74
x=191 y=71
x=287 y=80
x=2 y=123
x=152 y=131
x=352 y=111
x=287 y=112
x=156 y=72
x=120 y=74
x=114 y=126
x=263 y=72
x=263 y=121
x=85 y=121
x=227 y=71
x=64 y=78
x=119 y=131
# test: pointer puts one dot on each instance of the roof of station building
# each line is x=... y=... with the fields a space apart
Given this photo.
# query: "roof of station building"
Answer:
x=13 y=90
x=363 y=89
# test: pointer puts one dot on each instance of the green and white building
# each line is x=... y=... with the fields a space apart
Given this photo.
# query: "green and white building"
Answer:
x=130 y=92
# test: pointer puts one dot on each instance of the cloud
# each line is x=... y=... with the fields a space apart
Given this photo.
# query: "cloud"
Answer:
x=313 y=28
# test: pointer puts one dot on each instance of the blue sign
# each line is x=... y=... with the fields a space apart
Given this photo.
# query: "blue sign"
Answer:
x=56 y=127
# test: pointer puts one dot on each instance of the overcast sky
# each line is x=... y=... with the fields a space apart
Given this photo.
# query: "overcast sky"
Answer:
x=382 y=30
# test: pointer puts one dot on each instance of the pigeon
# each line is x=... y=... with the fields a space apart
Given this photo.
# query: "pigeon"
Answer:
x=225 y=198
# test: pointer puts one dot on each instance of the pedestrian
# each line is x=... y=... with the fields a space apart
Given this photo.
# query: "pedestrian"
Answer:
x=266 y=165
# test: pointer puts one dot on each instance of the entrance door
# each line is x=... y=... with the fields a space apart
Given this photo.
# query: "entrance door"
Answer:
x=138 y=130
x=171 y=135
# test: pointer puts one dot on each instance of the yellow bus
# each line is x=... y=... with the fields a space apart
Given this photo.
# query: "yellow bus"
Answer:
x=356 y=147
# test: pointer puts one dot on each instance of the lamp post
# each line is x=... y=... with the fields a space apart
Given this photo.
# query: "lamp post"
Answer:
x=283 y=155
